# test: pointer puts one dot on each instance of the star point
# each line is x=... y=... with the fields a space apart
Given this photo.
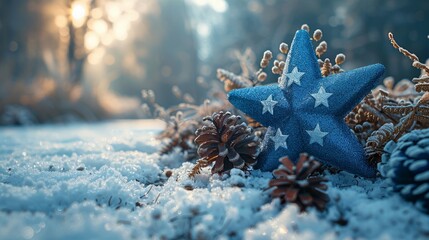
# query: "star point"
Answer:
x=316 y=135
x=321 y=97
x=279 y=139
x=268 y=105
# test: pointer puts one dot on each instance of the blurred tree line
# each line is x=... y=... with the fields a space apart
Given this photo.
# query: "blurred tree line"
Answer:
x=357 y=28
x=69 y=60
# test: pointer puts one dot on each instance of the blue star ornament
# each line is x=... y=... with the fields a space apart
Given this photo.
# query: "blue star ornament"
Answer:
x=305 y=111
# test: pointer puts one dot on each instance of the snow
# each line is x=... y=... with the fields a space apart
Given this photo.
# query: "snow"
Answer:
x=107 y=181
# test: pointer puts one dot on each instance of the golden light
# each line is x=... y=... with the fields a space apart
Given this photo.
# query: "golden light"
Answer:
x=79 y=12
x=108 y=39
x=113 y=10
x=99 y=26
x=97 y=13
x=120 y=29
x=96 y=56
x=133 y=15
x=61 y=21
x=91 y=40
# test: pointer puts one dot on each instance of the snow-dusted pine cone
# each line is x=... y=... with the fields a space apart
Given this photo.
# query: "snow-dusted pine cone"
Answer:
x=226 y=141
x=406 y=164
x=297 y=184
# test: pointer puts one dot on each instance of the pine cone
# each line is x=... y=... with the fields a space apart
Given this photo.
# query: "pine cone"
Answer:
x=406 y=165
x=297 y=184
x=226 y=142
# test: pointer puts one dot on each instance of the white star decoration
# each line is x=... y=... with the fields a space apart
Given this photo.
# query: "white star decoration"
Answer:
x=294 y=77
x=279 y=139
x=316 y=136
x=268 y=105
x=321 y=97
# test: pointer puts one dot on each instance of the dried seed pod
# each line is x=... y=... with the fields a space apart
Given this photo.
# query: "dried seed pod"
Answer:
x=282 y=65
x=262 y=76
x=276 y=70
x=284 y=48
x=321 y=48
x=326 y=68
x=305 y=27
x=317 y=35
x=264 y=63
x=340 y=58
x=268 y=55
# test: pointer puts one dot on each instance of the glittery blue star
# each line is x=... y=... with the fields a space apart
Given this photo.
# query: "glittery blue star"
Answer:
x=309 y=111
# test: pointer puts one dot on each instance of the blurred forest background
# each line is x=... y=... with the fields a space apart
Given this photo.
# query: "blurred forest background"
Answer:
x=72 y=60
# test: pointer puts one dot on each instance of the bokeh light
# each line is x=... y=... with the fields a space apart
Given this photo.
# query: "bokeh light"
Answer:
x=77 y=46
x=79 y=12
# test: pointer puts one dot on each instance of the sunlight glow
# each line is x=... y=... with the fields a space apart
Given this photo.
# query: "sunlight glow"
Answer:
x=133 y=15
x=91 y=40
x=120 y=29
x=218 y=5
x=203 y=29
x=97 y=13
x=113 y=10
x=107 y=39
x=79 y=11
x=61 y=21
x=99 y=26
x=96 y=56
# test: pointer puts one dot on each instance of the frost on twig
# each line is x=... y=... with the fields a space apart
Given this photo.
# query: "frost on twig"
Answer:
x=392 y=110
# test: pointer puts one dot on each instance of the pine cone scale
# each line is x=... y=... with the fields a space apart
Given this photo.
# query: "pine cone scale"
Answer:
x=206 y=137
x=218 y=166
x=279 y=193
x=282 y=173
x=279 y=182
x=288 y=164
x=292 y=194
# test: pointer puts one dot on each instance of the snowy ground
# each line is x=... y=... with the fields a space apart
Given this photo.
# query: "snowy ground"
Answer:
x=106 y=181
